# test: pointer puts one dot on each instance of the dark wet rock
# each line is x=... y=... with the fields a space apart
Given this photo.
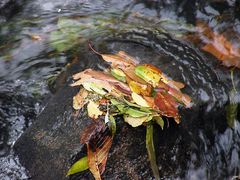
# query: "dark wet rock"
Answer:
x=9 y=8
x=52 y=143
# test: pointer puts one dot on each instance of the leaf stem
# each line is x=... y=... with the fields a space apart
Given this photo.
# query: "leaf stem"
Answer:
x=151 y=150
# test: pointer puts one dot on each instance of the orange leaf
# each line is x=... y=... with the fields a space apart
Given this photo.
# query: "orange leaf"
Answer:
x=219 y=46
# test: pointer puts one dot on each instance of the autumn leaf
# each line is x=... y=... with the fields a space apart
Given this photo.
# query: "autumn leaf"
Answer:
x=80 y=99
x=92 y=75
x=120 y=60
x=93 y=110
x=98 y=139
x=167 y=105
x=136 y=121
x=139 y=100
x=218 y=45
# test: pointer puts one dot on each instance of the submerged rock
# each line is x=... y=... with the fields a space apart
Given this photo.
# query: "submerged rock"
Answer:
x=49 y=147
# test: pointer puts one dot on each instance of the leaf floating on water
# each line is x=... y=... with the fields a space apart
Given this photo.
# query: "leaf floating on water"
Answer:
x=79 y=166
x=218 y=45
x=151 y=151
x=93 y=110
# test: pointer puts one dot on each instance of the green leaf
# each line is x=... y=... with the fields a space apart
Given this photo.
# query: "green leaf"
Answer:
x=118 y=74
x=231 y=110
x=112 y=124
x=151 y=151
x=135 y=113
x=91 y=86
x=159 y=121
x=147 y=74
x=79 y=166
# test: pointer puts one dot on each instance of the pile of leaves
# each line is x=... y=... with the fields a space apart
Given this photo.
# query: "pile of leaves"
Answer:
x=140 y=93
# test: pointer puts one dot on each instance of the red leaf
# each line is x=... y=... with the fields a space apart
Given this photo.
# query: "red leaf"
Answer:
x=167 y=105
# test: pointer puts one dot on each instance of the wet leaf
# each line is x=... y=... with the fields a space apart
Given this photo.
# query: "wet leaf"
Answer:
x=151 y=151
x=218 y=45
x=167 y=105
x=112 y=124
x=79 y=166
x=159 y=121
x=135 y=121
x=93 y=110
x=139 y=100
x=98 y=139
x=36 y=37
x=79 y=100
x=232 y=110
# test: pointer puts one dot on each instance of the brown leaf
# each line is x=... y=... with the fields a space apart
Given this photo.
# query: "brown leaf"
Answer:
x=98 y=139
x=167 y=105
x=90 y=75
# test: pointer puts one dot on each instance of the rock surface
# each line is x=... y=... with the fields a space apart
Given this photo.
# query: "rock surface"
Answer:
x=52 y=143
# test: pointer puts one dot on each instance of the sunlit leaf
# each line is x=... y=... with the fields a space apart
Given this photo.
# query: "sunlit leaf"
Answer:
x=167 y=105
x=139 y=100
x=79 y=166
x=151 y=151
x=93 y=110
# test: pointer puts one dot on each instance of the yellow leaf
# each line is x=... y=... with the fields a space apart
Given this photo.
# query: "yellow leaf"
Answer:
x=135 y=122
x=79 y=100
x=139 y=100
x=93 y=110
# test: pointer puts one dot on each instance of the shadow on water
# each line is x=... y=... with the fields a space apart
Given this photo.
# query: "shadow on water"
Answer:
x=38 y=42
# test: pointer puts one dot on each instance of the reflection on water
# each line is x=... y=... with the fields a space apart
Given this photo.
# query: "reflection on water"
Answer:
x=27 y=63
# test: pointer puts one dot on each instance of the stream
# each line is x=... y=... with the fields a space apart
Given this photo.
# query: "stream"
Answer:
x=40 y=39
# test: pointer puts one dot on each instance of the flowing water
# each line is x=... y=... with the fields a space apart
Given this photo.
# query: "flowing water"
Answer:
x=41 y=38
